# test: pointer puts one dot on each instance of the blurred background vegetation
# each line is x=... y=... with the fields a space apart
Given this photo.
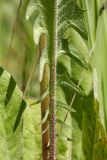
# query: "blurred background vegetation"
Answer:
x=17 y=53
x=17 y=48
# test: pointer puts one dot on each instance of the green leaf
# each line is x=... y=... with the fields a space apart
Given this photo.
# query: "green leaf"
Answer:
x=92 y=8
x=94 y=135
x=64 y=137
x=75 y=41
x=70 y=15
x=74 y=54
x=76 y=120
x=100 y=63
x=63 y=148
x=12 y=107
x=64 y=80
x=65 y=106
x=32 y=133
x=62 y=123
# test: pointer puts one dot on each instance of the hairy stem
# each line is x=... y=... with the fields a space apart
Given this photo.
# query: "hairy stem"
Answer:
x=53 y=86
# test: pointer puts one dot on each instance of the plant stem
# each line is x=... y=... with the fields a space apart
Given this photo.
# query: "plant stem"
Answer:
x=15 y=23
x=13 y=29
x=52 y=105
x=44 y=108
x=45 y=103
x=32 y=71
x=24 y=72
